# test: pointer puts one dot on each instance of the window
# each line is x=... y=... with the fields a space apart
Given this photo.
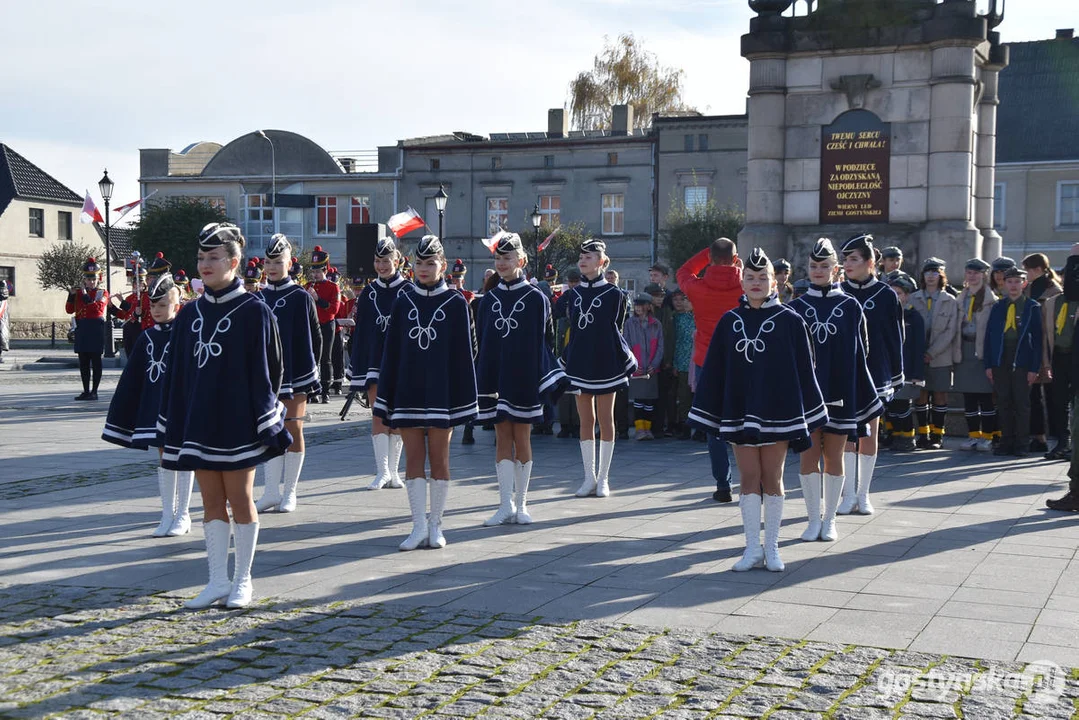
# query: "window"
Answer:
x=37 y=222
x=7 y=274
x=702 y=142
x=696 y=198
x=1000 y=195
x=326 y=215
x=550 y=208
x=548 y=161
x=496 y=163
x=434 y=163
x=498 y=214
x=217 y=202
x=360 y=209
x=63 y=223
x=689 y=143
x=259 y=208
x=612 y=158
x=1068 y=204
x=612 y=213
x=630 y=285
x=258 y=222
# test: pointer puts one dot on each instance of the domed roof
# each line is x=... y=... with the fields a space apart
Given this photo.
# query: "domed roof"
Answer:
x=250 y=155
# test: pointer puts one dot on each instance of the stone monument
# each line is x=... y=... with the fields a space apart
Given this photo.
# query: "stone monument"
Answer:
x=878 y=116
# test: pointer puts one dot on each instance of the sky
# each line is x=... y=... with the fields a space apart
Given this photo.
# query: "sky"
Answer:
x=90 y=82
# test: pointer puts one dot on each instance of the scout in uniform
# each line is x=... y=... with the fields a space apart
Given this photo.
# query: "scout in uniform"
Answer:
x=784 y=288
x=900 y=407
x=939 y=312
x=973 y=307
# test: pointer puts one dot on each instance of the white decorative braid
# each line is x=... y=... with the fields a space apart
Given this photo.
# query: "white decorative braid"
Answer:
x=505 y=324
x=822 y=331
x=155 y=368
x=205 y=350
x=751 y=346
x=424 y=335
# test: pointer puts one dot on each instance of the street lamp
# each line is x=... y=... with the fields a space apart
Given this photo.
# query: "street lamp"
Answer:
x=273 y=178
x=537 y=220
x=105 y=185
x=440 y=202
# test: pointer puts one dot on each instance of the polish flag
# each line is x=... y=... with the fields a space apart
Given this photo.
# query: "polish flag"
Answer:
x=405 y=222
x=90 y=212
x=492 y=242
x=125 y=209
x=543 y=245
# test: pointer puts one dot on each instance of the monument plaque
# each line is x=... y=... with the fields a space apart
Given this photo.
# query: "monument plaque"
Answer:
x=855 y=163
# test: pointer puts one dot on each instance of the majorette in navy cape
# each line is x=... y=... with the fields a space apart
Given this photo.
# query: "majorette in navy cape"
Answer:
x=220 y=409
x=596 y=359
x=133 y=411
x=516 y=373
x=301 y=341
x=837 y=329
x=427 y=377
x=373 y=306
x=757 y=385
x=884 y=319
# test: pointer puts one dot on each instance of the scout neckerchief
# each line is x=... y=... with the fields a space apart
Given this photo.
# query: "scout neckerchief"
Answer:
x=1009 y=320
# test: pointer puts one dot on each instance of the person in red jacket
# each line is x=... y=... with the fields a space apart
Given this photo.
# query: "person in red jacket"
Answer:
x=327 y=298
x=712 y=294
x=134 y=309
x=88 y=304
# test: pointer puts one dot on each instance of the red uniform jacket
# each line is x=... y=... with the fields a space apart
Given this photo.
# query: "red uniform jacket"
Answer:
x=711 y=296
x=127 y=310
x=344 y=312
x=328 y=300
x=84 y=306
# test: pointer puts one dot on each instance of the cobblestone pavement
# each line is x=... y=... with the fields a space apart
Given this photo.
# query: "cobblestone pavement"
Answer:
x=73 y=653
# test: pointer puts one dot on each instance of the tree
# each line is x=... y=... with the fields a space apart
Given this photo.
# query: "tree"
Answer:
x=562 y=253
x=690 y=230
x=624 y=74
x=60 y=266
x=172 y=227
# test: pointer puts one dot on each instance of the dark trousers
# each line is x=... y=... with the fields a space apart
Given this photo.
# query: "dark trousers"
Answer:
x=90 y=364
x=1073 y=469
x=644 y=410
x=666 y=411
x=684 y=396
x=717 y=453
x=1060 y=394
x=338 y=359
x=1037 y=409
x=567 y=412
x=1013 y=403
x=621 y=410
x=325 y=362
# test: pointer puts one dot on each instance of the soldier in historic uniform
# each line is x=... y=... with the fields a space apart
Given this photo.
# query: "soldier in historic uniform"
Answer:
x=327 y=297
x=88 y=304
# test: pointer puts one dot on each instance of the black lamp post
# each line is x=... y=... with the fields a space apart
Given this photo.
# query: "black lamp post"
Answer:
x=105 y=185
x=537 y=220
x=440 y=202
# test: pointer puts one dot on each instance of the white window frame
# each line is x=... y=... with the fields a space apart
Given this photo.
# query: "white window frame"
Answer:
x=1000 y=200
x=614 y=211
x=319 y=205
x=696 y=203
x=39 y=232
x=1060 y=224
x=552 y=217
x=494 y=213
x=263 y=223
x=365 y=202
x=65 y=223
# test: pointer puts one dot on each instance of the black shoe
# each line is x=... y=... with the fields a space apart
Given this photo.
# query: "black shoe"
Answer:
x=887 y=441
x=699 y=436
x=469 y=438
x=623 y=434
x=903 y=444
x=685 y=434
x=1038 y=446
x=1020 y=453
x=84 y=395
x=722 y=495
x=1068 y=503
x=312 y=399
x=487 y=427
x=325 y=399
x=93 y=395
x=1059 y=453
x=1003 y=450
x=936 y=442
x=563 y=433
x=922 y=443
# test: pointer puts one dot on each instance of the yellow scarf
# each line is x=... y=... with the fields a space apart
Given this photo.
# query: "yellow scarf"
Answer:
x=1062 y=317
x=1009 y=320
x=929 y=304
x=970 y=310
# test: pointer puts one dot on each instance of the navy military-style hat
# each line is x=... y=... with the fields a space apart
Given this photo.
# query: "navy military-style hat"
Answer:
x=1002 y=263
x=863 y=242
x=90 y=268
x=214 y=235
x=430 y=246
x=822 y=250
x=159 y=265
x=507 y=244
x=320 y=259
x=160 y=286
x=295 y=268
x=901 y=280
x=892 y=252
x=277 y=247
x=933 y=263
x=385 y=247
x=781 y=265
x=593 y=245
x=978 y=264
x=1015 y=272
x=181 y=279
x=757 y=260
x=252 y=272
x=549 y=273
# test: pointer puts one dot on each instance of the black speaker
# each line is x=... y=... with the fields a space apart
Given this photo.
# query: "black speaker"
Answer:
x=360 y=242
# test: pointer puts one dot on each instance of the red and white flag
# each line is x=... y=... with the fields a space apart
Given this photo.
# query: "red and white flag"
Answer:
x=125 y=209
x=543 y=245
x=405 y=222
x=492 y=242
x=90 y=213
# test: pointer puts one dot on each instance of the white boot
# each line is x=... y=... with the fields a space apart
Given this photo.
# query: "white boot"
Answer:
x=866 y=465
x=293 y=465
x=181 y=521
x=396 y=445
x=811 y=490
x=506 y=511
x=166 y=485
x=606 y=454
x=271 y=493
x=588 y=459
x=833 y=488
x=850 y=484
x=439 y=490
x=417 y=505
x=773 y=518
x=382 y=461
x=217 y=534
x=247 y=537
x=522 y=473
x=753 y=557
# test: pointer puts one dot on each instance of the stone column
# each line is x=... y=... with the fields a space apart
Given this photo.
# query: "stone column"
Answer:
x=767 y=139
x=986 y=163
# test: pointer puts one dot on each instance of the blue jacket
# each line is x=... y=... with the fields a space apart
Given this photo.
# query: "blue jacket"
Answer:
x=1029 y=353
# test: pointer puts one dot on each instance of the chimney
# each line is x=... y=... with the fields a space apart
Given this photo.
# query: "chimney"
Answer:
x=1065 y=34
x=557 y=123
x=621 y=120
